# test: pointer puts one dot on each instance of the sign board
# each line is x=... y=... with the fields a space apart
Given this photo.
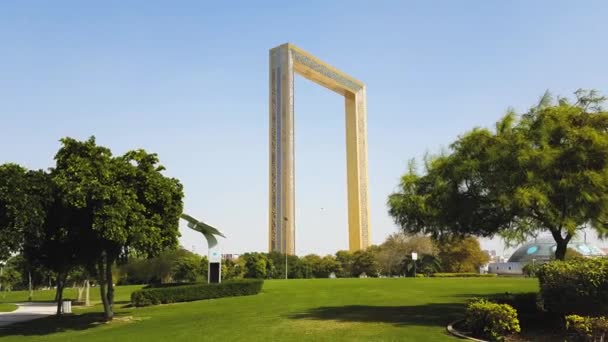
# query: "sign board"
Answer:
x=414 y=256
x=215 y=254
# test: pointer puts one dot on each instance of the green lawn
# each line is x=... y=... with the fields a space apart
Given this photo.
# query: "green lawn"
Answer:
x=8 y=307
x=122 y=294
x=295 y=310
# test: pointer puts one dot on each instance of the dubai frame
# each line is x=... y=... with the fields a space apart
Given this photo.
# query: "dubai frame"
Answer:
x=284 y=60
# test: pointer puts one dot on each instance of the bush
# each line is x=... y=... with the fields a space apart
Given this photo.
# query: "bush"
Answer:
x=490 y=320
x=577 y=286
x=185 y=293
x=522 y=302
x=529 y=270
x=587 y=328
x=463 y=275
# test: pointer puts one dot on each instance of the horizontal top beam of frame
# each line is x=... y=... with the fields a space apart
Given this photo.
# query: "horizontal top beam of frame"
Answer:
x=322 y=73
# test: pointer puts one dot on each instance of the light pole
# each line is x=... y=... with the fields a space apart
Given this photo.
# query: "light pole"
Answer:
x=414 y=258
x=285 y=250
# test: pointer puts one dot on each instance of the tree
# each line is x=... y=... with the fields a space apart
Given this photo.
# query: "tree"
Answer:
x=12 y=208
x=425 y=264
x=364 y=261
x=461 y=255
x=311 y=264
x=255 y=265
x=345 y=259
x=118 y=203
x=544 y=171
x=398 y=247
x=9 y=277
x=232 y=269
x=48 y=238
x=328 y=265
x=187 y=269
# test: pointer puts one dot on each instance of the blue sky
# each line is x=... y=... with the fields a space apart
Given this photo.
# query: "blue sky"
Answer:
x=189 y=81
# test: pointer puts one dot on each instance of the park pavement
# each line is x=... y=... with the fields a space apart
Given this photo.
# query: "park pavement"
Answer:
x=27 y=312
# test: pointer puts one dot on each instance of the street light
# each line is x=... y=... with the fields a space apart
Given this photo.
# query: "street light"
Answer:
x=414 y=257
x=285 y=250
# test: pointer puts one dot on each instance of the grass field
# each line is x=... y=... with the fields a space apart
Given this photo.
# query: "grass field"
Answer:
x=8 y=307
x=122 y=294
x=295 y=310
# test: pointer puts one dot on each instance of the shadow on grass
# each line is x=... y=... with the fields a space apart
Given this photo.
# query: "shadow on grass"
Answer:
x=433 y=314
x=54 y=324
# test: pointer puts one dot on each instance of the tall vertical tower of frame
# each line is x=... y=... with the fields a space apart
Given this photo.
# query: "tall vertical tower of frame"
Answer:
x=284 y=61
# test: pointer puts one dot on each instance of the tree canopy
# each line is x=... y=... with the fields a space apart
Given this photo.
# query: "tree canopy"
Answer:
x=90 y=210
x=543 y=171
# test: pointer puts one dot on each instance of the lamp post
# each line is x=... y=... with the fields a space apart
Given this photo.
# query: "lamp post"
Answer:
x=285 y=250
x=414 y=258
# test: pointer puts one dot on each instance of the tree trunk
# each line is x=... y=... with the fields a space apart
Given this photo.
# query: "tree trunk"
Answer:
x=80 y=290
x=560 y=251
x=31 y=287
x=59 y=294
x=108 y=314
x=87 y=300
x=109 y=281
x=561 y=244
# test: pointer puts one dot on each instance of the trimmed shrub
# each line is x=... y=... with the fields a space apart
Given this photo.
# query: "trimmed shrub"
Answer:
x=463 y=275
x=163 y=285
x=186 y=293
x=578 y=286
x=490 y=320
x=529 y=270
x=527 y=302
x=587 y=328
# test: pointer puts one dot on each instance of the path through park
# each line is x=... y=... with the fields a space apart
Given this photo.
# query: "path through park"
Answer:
x=27 y=312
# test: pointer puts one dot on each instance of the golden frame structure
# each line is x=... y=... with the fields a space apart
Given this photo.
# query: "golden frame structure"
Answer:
x=284 y=61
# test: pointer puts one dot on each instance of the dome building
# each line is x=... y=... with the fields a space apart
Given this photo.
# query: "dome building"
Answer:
x=539 y=251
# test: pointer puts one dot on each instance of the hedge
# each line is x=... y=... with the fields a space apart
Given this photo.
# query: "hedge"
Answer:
x=186 y=293
x=578 y=286
x=490 y=320
x=463 y=275
x=526 y=302
x=588 y=328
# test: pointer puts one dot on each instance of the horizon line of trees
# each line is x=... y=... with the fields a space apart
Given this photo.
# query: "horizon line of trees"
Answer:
x=392 y=258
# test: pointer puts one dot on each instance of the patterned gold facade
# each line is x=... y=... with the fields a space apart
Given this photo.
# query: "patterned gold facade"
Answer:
x=284 y=61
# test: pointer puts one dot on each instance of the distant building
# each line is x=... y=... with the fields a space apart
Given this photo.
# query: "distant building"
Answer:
x=539 y=251
x=231 y=257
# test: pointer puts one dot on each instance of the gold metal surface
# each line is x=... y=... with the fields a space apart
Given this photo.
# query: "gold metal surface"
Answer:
x=284 y=61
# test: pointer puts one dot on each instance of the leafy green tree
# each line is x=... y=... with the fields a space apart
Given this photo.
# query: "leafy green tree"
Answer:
x=52 y=239
x=425 y=264
x=398 y=247
x=187 y=269
x=119 y=204
x=172 y=265
x=276 y=266
x=311 y=264
x=9 y=277
x=544 y=171
x=232 y=269
x=255 y=265
x=204 y=268
x=328 y=265
x=345 y=259
x=13 y=208
x=364 y=261
x=461 y=255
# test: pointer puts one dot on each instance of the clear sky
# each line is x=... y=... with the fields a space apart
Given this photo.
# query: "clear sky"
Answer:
x=189 y=80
